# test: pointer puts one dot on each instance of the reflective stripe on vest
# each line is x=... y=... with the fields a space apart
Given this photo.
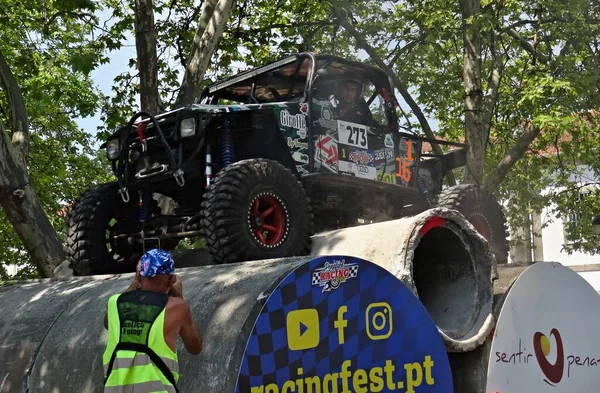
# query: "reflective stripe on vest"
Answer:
x=142 y=387
x=141 y=359
x=143 y=314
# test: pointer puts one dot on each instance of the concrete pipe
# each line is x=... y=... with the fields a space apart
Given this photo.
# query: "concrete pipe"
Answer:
x=268 y=325
x=52 y=332
x=438 y=255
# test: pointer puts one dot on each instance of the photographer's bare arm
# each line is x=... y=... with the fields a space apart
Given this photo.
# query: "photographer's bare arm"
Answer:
x=179 y=321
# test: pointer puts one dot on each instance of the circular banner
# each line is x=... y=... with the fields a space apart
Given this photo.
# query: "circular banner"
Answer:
x=341 y=324
x=546 y=338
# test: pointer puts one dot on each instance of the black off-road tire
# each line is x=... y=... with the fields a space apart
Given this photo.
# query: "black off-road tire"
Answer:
x=482 y=210
x=87 y=225
x=229 y=213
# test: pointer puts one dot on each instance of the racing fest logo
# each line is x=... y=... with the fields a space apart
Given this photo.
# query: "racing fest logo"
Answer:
x=550 y=358
x=333 y=274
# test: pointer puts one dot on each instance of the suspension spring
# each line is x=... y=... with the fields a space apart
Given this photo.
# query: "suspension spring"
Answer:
x=226 y=145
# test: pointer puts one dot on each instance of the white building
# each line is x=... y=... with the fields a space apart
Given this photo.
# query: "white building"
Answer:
x=546 y=239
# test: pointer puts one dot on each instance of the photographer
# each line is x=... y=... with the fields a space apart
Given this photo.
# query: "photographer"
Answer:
x=143 y=325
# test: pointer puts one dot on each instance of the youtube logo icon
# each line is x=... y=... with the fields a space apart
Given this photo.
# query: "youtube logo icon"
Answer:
x=302 y=327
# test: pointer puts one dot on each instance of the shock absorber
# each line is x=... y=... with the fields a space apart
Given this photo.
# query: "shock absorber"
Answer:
x=424 y=190
x=208 y=168
x=144 y=202
x=226 y=144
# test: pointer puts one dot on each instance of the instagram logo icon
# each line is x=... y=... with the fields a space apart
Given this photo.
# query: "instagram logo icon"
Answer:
x=379 y=321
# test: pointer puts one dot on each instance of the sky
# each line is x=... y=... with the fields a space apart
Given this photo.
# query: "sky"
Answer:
x=104 y=77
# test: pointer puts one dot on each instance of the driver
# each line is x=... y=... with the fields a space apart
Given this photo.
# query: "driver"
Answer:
x=351 y=107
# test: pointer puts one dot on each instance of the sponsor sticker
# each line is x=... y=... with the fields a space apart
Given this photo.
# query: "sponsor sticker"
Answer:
x=326 y=152
x=326 y=113
x=363 y=171
x=389 y=140
x=302 y=170
x=297 y=121
x=304 y=107
x=296 y=144
x=386 y=177
x=298 y=156
x=361 y=156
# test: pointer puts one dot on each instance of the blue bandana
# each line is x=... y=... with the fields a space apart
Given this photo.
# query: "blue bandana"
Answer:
x=156 y=262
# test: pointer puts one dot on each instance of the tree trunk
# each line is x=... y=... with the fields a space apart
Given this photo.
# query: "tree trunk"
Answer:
x=18 y=111
x=475 y=131
x=145 y=42
x=491 y=96
x=213 y=20
x=23 y=210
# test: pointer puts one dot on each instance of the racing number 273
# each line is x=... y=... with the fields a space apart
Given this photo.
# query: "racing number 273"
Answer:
x=404 y=163
x=353 y=135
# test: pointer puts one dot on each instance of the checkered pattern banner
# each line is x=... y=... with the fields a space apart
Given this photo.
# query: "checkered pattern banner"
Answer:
x=339 y=324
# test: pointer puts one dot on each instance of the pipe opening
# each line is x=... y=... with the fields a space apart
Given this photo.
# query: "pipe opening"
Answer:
x=445 y=280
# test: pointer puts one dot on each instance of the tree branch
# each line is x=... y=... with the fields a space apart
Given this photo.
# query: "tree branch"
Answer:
x=77 y=14
x=18 y=111
x=524 y=44
x=213 y=20
x=408 y=47
x=518 y=150
x=240 y=33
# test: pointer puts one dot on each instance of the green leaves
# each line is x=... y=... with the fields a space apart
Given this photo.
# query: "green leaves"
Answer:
x=51 y=51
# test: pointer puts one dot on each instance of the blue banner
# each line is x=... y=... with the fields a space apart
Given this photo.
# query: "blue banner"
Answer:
x=342 y=324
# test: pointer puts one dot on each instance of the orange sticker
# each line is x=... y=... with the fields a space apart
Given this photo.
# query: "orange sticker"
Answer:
x=404 y=163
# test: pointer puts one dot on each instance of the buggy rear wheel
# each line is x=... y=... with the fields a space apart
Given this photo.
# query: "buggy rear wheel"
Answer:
x=483 y=211
x=256 y=209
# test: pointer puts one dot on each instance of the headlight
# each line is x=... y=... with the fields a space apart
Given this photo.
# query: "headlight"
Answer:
x=188 y=127
x=112 y=149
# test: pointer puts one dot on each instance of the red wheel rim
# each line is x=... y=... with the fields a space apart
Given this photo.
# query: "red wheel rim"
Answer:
x=268 y=220
x=482 y=226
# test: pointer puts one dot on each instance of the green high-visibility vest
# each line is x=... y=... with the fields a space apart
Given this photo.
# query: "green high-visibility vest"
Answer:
x=137 y=359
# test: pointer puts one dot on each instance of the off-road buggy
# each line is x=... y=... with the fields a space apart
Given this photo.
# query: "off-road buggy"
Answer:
x=262 y=161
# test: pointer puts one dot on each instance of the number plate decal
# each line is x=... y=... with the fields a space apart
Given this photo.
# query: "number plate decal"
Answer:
x=353 y=134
